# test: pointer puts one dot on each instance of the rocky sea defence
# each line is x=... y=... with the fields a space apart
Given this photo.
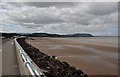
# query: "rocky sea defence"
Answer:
x=52 y=66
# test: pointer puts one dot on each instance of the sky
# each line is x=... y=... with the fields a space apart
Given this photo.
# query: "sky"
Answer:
x=97 y=18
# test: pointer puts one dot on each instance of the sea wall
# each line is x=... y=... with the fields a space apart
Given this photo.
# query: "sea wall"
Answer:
x=52 y=66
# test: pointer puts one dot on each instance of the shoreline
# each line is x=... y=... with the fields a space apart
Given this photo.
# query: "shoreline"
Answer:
x=91 y=58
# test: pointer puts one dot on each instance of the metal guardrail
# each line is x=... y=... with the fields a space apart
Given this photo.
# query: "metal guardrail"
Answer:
x=27 y=62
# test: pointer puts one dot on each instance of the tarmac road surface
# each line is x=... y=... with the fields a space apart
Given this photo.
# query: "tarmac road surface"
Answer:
x=9 y=59
x=0 y=57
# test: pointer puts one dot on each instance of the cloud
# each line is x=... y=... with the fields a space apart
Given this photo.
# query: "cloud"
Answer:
x=61 y=1
x=51 y=4
x=103 y=8
x=62 y=17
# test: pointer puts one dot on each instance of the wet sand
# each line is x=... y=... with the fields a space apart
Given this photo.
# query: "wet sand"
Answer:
x=95 y=56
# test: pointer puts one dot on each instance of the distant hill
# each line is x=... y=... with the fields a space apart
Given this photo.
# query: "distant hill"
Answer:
x=46 y=35
x=79 y=35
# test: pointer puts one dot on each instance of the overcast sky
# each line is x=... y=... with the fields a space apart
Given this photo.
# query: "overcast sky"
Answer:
x=97 y=18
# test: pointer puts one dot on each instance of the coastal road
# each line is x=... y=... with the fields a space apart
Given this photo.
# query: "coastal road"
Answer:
x=9 y=58
x=0 y=57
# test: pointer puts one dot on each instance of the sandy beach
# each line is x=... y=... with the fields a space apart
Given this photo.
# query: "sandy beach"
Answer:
x=95 y=56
